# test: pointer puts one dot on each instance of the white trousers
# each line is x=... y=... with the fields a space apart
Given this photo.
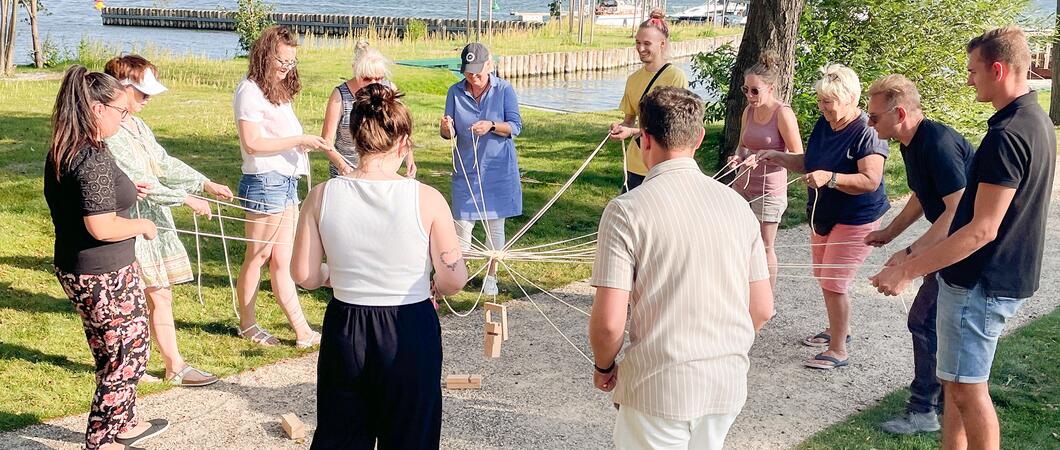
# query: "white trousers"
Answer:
x=635 y=430
x=496 y=233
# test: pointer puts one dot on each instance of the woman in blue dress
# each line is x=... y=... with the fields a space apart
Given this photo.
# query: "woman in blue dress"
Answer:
x=483 y=112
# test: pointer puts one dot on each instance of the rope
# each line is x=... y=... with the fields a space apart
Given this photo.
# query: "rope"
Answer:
x=198 y=259
x=625 y=168
x=555 y=197
x=532 y=302
x=473 y=306
x=228 y=264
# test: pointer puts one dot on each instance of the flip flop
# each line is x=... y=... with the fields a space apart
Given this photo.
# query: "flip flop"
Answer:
x=824 y=337
x=156 y=428
x=826 y=362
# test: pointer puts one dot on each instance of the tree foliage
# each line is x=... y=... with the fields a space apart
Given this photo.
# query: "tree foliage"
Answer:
x=923 y=40
x=252 y=18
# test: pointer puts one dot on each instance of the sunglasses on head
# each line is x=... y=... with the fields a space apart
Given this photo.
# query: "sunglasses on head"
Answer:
x=749 y=90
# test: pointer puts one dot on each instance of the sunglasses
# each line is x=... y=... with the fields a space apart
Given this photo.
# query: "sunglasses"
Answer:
x=874 y=118
x=124 y=112
x=290 y=64
x=749 y=90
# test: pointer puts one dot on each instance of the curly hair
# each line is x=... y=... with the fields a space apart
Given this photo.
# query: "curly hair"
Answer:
x=262 y=55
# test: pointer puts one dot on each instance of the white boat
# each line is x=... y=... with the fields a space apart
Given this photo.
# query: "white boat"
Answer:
x=616 y=13
x=721 y=12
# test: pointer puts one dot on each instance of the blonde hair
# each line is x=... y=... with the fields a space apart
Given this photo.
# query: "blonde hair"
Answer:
x=838 y=82
x=369 y=63
x=897 y=90
x=1005 y=45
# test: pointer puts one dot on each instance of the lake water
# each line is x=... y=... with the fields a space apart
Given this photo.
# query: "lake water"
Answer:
x=69 y=21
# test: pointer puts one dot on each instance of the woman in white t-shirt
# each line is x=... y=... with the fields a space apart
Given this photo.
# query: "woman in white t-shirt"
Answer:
x=273 y=147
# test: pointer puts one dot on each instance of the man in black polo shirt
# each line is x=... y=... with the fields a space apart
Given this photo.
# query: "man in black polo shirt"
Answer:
x=991 y=261
x=936 y=159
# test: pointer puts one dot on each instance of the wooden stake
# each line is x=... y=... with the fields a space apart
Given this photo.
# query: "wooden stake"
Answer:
x=490 y=308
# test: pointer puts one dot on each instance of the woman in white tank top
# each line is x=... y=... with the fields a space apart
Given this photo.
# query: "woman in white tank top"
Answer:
x=379 y=371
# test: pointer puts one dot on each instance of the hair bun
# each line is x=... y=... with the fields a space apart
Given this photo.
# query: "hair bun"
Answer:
x=657 y=13
x=770 y=59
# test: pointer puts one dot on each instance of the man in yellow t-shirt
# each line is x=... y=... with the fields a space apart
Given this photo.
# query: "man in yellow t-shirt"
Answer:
x=653 y=57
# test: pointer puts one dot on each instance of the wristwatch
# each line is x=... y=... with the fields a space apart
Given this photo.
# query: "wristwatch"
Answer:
x=832 y=182
x=493 y=126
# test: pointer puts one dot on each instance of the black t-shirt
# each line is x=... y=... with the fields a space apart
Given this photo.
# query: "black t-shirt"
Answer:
x=936 y=161
x=1018 y=151
x=92 y=184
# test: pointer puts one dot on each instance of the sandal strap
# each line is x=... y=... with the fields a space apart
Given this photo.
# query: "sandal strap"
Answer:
x=314 y=339
x=257 y=336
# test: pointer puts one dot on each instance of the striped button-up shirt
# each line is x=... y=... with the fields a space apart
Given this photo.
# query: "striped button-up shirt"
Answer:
x=687 y=248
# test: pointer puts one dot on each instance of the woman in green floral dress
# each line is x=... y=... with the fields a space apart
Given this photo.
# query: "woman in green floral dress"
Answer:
x=163 y=262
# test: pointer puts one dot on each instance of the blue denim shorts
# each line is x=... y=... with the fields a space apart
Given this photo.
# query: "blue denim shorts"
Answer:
x=269 y=192
x=968 y=325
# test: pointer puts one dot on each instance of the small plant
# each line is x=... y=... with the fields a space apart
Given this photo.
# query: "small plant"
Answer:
x=415 y=29
x=713 y=70
x=554 y=8
x=251 y=19
x=54 y=55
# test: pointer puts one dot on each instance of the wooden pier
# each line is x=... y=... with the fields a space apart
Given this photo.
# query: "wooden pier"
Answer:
x=330 y=24
x=518 y=66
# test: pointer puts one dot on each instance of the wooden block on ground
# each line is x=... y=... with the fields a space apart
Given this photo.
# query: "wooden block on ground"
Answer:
x=491 y=308
x=463 y=381
x=294 y=427
x=493 y=340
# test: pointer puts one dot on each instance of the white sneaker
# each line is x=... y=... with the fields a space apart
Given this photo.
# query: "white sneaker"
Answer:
x=489 y=285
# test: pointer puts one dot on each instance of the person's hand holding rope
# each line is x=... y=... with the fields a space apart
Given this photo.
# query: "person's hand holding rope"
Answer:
x=818 y=178
x=218 y=190
x=619 y=131
x=199 y=206
x=312 y=142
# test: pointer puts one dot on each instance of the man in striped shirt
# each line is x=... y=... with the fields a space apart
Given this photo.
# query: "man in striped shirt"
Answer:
x=684 y=252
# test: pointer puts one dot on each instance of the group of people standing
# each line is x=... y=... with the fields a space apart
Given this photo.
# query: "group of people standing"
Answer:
x=110 y=187
x=694 y=299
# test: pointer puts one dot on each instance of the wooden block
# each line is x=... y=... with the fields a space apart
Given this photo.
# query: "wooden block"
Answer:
x=294 y=428
x=490 y=308
x=463 y=381
x=475 y=381
x=493 y=340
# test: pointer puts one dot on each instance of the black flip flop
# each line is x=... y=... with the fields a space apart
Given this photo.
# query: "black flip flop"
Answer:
x=825 y=337
x=156 y=428
x=825 y=359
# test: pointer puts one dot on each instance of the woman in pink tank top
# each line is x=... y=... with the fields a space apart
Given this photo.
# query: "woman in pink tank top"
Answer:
x=767 y=124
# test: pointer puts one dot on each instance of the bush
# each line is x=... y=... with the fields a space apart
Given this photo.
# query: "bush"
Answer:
x=925 y=41
x=415 y=29
x=712 y=71
x=252 y=18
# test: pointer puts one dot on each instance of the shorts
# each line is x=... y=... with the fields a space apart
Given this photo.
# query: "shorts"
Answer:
x=968 y=324
x=268 y=193
x=845 y=247
x=770 y=208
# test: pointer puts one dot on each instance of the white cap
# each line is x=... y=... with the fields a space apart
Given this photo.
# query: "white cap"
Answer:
x=148 y=85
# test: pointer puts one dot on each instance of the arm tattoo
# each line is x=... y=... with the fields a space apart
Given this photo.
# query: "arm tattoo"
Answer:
x=452 y=265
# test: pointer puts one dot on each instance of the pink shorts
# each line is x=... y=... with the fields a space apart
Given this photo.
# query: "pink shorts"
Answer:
x=846 y=249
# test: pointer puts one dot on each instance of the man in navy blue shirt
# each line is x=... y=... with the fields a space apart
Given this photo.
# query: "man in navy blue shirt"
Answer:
x=936 y=158
x=991 y=261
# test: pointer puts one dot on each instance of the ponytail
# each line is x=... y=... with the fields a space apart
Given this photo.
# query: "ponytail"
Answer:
x=73 y=125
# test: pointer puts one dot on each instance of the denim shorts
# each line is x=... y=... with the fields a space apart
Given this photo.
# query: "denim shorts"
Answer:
x=269 y=192
x=968 y=325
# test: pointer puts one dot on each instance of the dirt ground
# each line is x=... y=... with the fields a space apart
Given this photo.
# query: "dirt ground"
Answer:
x=539 y=393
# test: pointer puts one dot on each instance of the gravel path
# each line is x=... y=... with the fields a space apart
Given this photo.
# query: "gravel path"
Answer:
x=539 y=393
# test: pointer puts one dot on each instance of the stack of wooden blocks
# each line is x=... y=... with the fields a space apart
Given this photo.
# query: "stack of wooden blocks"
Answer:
x=496 y=332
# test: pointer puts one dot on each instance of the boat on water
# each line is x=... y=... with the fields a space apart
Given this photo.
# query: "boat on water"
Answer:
x=616 y=13
x=718 y=12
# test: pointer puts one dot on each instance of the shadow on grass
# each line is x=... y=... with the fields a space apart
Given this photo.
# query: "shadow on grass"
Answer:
x=15 y=351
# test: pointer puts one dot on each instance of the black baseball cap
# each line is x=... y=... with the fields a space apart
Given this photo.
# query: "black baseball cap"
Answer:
x=473 y=58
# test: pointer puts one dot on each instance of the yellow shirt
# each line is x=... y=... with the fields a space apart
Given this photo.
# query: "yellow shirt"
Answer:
x=635 y=84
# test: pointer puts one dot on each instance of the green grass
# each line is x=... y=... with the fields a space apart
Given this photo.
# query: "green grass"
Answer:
x=1025 y=386
x=45 y=365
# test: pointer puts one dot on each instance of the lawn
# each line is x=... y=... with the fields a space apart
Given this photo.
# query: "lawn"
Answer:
x=45 y=365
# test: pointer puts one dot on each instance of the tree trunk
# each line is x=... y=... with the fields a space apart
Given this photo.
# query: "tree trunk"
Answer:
x=3 y=37
x=771 y=25
x=8 y=68
x=1054 y=52
x=38 y=46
